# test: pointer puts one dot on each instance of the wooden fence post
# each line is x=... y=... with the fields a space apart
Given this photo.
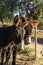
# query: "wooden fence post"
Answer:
x=35 y=42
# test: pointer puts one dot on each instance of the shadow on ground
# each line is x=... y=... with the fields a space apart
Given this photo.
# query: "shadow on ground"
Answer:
x=39 y=40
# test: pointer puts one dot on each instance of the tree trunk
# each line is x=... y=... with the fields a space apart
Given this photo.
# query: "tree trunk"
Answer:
x=1 y=20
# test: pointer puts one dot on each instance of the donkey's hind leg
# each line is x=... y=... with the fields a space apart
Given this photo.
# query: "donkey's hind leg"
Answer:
x=2 y=56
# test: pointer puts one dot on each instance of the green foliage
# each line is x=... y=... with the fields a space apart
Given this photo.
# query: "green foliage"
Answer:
x=28 y=49
x=41 y=53
x=41 y=21
x=7 y=7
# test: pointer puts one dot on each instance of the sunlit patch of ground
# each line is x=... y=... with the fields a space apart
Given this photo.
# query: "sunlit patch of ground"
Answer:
x=23 y=59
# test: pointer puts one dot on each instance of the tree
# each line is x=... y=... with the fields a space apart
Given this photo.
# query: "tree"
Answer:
x=31 y=7
x=28 y=7
x=6 y=8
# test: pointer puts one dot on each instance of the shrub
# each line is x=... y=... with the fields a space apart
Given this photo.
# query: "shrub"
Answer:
x=41 y=21
x=28 y=49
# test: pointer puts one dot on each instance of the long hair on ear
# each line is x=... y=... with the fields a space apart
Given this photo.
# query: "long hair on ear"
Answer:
x=16 y=19
x=23 y=17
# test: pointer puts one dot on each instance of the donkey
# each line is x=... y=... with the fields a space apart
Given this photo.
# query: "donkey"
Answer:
x=7 y=35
